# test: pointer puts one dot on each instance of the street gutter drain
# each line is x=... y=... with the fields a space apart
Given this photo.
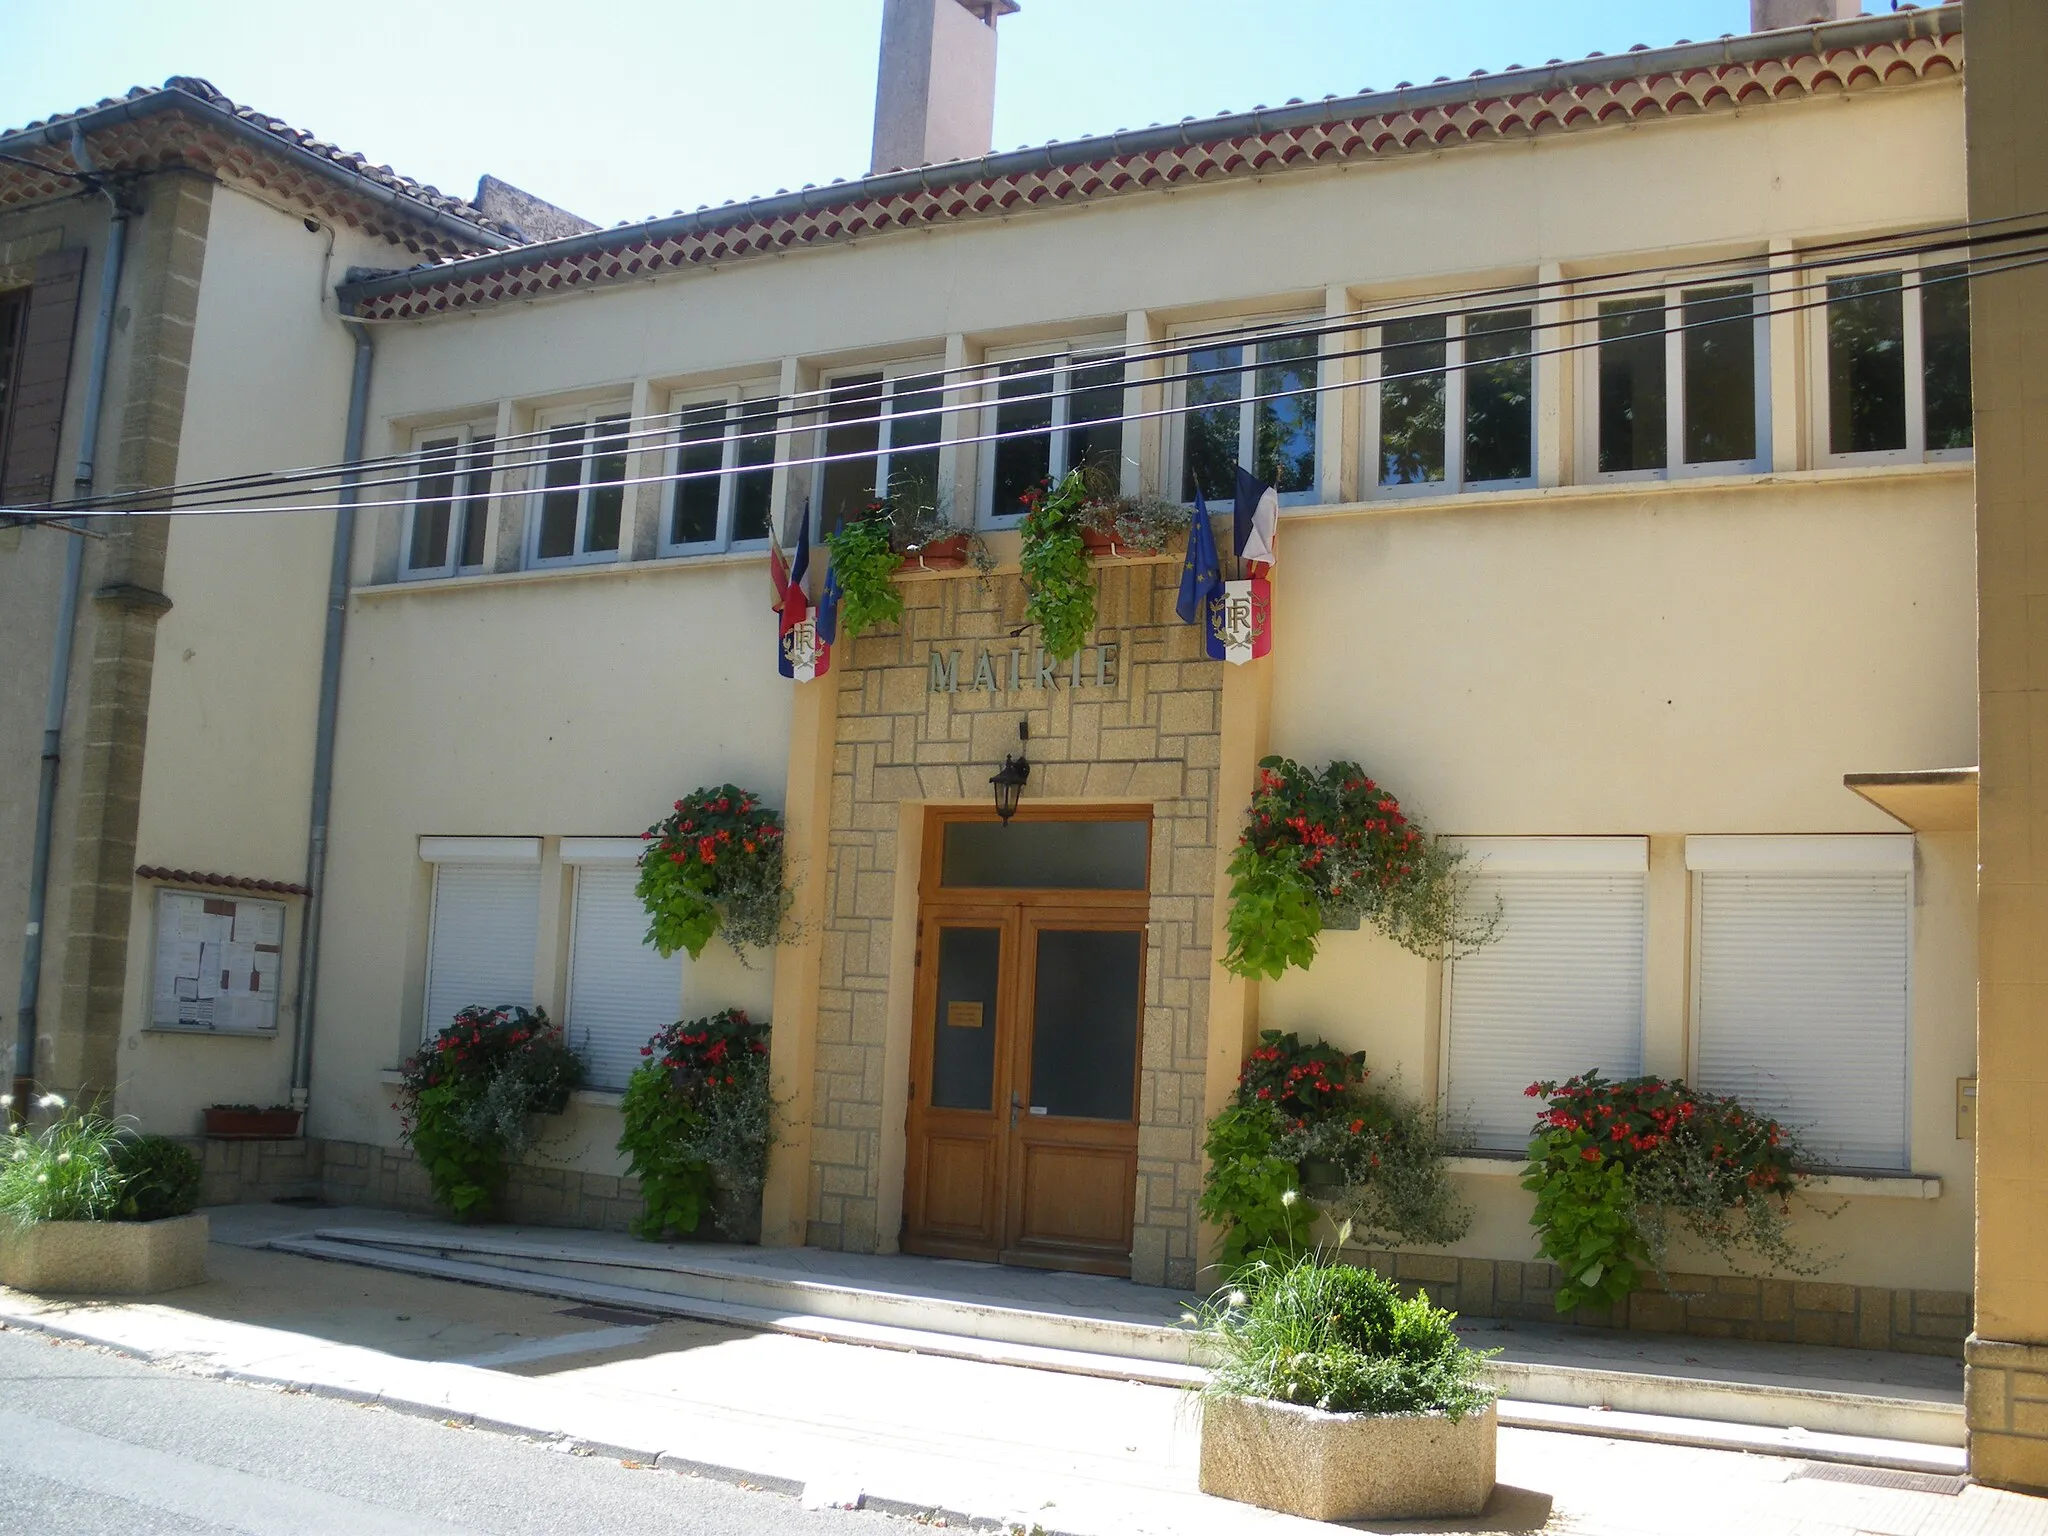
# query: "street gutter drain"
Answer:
x=1878 y=1477
x=618 y=1316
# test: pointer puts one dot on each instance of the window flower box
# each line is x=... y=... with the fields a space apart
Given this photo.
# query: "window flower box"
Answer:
x=104 y=1258
x=948 y=553
x=1347 y=1466
x=243 y=1122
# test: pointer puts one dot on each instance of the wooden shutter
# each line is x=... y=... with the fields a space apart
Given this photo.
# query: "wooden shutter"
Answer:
x=486 y=932
x=1802 y=987
x=1559 y=991
x=35 y=414
x=620 y=990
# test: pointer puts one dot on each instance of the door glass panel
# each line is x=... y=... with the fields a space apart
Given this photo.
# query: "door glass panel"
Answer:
x=1084 y=1038
x=1047 y=855
x=964 y=1033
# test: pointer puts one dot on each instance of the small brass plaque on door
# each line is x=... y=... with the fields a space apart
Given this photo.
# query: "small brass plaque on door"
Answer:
x=964 y=1015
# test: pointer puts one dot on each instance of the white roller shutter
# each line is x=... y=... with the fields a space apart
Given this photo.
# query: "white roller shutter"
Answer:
x=1559 y=991
x=1803 y=992
x=620 y=990
x=485 y=933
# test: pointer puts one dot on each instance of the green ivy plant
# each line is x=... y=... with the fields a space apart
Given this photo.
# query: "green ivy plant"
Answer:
x=1586 y=1217
x=698 y=1122
x=1250 y=1190
x=1058 y=575
x=866 y=561
x=714 y=865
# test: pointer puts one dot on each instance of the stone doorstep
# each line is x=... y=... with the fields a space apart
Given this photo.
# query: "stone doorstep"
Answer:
x=1863 y=1428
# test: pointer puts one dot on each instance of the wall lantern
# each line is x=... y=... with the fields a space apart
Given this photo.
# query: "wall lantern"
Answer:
x=1010 y=779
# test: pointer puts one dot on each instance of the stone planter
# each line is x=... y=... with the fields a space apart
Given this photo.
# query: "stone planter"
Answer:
x=1346 y=1466
x=104 y=1258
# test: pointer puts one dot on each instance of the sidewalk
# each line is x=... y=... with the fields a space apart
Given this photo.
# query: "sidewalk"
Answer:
x=1072 y=1454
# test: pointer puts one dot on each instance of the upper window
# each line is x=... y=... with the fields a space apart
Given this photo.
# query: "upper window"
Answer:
x=582 y=499
x=446 y=524
x=1801 y=977
x=1454 y=406
x=881 y=438
x=1050 y=414
x=1897 y=343
x=13 y=321
x=1250 y=404
x=1559 y=991
x=1680 y=382
x=724 y=468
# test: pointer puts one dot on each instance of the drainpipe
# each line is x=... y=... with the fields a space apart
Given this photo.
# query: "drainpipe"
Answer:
x=67 y=620
x=330 y=708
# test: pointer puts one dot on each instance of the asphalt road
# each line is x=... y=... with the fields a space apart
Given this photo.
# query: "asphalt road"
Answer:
x=93 y=1443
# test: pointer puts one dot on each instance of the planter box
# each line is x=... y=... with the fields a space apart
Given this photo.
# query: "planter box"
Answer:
x=1346 y=1466
x=252 y=1124
x=947 y=554
x=1106 y=546
x=104 y=1258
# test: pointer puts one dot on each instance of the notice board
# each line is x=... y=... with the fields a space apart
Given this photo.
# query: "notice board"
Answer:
x=218 y=960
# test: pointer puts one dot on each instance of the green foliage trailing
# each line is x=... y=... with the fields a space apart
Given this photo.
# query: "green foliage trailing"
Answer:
x=866 y=561
x=1329 y=1335
x=1618 y=1168
x=1328 y=846
x=714 y=865
x=698 y=1118
x=1250 y=1190
x=159 y=1178
x=466 y=1101
x=1058 y=574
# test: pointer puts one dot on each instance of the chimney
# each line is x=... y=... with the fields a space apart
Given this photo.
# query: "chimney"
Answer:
x=935 y=95
x=1769 y=15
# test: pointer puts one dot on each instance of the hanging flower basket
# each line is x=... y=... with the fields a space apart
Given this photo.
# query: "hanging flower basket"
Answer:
x=714 y=865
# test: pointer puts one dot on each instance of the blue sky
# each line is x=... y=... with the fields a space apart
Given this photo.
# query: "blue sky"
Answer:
x=638 y=107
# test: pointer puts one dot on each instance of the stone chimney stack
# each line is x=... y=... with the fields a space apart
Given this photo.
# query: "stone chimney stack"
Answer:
x=1769 y=15
x=935 y=95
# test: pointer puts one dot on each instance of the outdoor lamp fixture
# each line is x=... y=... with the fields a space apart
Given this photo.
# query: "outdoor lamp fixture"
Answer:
x=1010 y=779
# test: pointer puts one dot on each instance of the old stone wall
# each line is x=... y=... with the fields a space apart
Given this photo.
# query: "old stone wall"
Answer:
x=1138 y=724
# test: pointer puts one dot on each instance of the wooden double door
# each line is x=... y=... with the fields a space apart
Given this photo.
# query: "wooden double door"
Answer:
x=1023 y=1113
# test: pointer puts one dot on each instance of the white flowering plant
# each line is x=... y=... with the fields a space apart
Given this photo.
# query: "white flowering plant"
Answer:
x=68 y=1171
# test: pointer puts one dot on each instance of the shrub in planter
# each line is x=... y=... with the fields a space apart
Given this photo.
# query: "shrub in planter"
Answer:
x=714 y=865
x=1328 y=847
x=1620 y=1168
x=698 y=1124
x=467 y=1101
x=1335 y=1398
x=1304 y=1123
x=64 y=1172
x=159 y=1177
x=1059 y=580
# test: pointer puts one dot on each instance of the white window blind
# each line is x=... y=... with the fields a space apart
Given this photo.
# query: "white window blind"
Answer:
x=1803 y=987
x=620 y=990
x=1559 y=991
x=486 y=929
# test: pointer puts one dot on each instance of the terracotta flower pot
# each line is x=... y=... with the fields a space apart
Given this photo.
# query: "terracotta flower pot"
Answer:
x=947 y=554
x=252 y=1124
x=1104 y=546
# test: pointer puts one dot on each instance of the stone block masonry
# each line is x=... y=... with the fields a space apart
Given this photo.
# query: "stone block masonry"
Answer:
x=1134 y=721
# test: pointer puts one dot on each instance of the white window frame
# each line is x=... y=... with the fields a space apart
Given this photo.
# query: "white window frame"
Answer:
x=1675 y=467
x=1845 y=853
x=1065 y=357
x=1454 y=481
x=894 y=376
x=464 y=502
x=735 y=401
x=589 y=417
x=1190 y=339
x=1911 y=270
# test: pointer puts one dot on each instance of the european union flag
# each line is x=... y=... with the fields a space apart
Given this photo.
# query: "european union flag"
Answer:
x=1201 y=574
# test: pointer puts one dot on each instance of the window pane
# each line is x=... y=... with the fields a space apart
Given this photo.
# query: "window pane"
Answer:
x=964 y=1053
x=693 y=514
x=754 y=485
x=607 y=494
x=476 y=510
x=1720 y=375
x=1945 y=349
x=1632 y=394
x=558 y=502
x=1024 y=407
x=1866 y=364
x=434 y=495
x=914 y=421
x=1412 y=358
x=1095 y=412
x=1284 y=447
x=1084 y=1034
x=1500 y=386
x=1046 y=855
x=852 y=427
x=1209 y=451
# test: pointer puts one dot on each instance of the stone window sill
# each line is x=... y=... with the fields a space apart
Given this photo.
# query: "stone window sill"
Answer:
x=1883 y=1186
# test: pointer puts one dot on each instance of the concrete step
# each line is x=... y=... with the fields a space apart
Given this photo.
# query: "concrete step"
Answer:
x=1767 y=1415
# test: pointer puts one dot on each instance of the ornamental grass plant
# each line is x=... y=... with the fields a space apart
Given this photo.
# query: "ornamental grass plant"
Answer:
x=87 y=1166
x=1334 y=1337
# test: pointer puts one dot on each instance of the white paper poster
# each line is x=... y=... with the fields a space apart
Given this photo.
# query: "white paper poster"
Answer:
x=218 y=959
